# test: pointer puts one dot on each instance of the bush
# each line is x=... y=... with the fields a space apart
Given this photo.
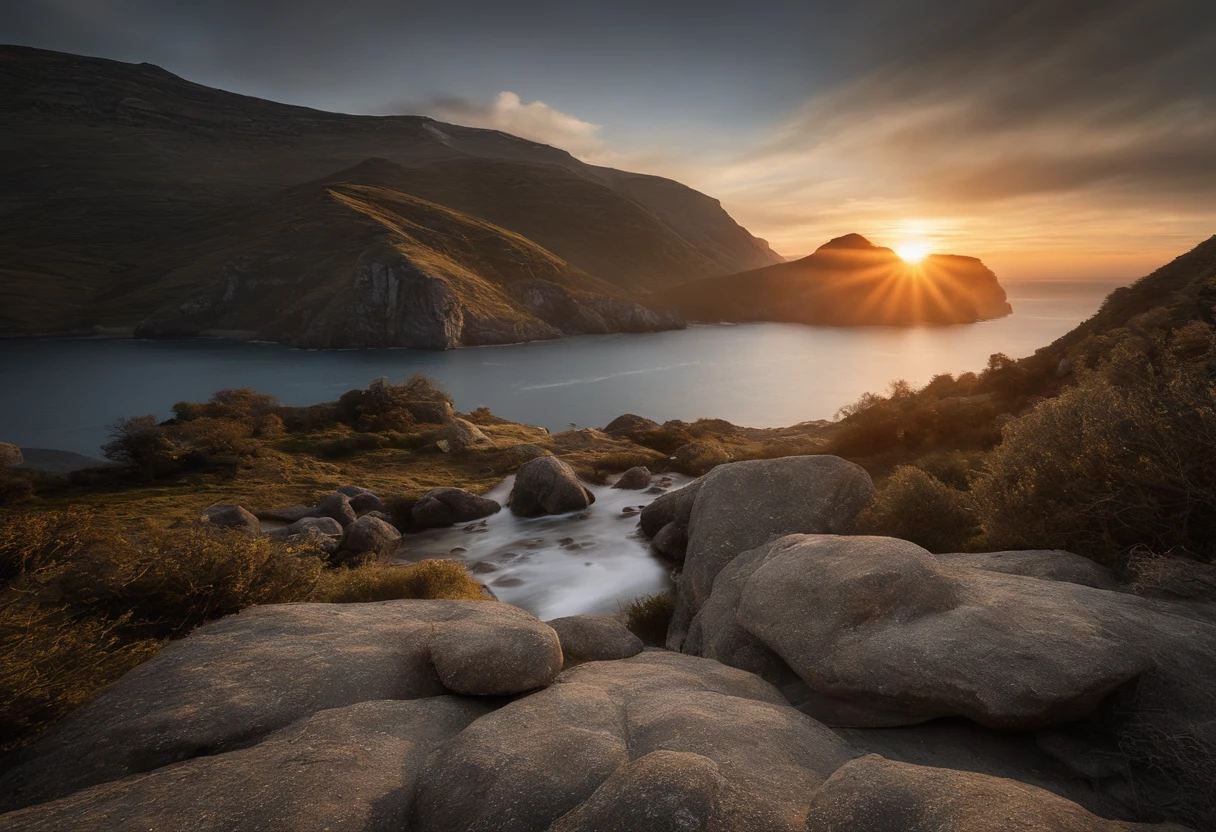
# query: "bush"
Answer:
x=649 y=616
x=916 y=506
x=1125 y=461
x=53 y=660
x=446 y=579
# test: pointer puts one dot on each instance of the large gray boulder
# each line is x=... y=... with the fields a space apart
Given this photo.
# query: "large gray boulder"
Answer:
x=546 y=485
x=448 y=506
x=350 y=769
x=873 y=631
x=871 y=794
x=224 y=516
x=594 y=638
x=739 y=506
x=370 y=534
x=584 y=747
x=230 y=683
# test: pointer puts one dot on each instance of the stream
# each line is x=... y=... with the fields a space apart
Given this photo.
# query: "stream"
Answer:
x=588 y=562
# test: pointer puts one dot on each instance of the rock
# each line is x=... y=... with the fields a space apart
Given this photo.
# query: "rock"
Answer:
x=1176 y=578
x=698 y=457
x=742 y=505
x=370 y=534
x=580 y=748
x=595 y=638
x=672 y=507
x=436 y=413
x=546 y=485
x=232 y=682
x=225 y=516
x=628 y=425
x=873 y=631
x=671 y=541
x=448 y=506
x=323 y=532
x=354 y=490
x=366 y=503
x=1064 y=368
x=461 y=434
x=635 y=479
x=871 y=794
x=1048 y=564
x=10 y=455
x=352 y=768
x=286 y=514
x=336 y=506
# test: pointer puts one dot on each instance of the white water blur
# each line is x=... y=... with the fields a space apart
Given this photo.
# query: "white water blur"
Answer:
x=587 y=562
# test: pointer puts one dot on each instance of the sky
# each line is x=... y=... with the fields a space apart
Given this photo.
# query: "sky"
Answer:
x=1055 y=139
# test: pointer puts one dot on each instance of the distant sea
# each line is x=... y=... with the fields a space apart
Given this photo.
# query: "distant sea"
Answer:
x=63 y=394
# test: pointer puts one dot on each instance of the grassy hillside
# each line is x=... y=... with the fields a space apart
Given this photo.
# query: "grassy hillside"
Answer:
x=102 y=162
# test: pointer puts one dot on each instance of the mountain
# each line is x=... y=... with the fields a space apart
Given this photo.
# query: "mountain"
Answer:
x=338 y=263
x=108 y=167
x=848 y=281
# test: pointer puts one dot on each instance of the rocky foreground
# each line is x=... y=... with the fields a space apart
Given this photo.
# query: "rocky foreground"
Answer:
x=812 y=681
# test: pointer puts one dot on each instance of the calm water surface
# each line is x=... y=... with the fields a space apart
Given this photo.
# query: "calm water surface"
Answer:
x=63 y=394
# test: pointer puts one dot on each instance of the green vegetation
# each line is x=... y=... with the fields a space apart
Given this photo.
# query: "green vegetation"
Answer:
x=915 y=505
x=649 y=616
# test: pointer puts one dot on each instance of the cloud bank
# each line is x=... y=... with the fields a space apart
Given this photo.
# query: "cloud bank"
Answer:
x=534 y=120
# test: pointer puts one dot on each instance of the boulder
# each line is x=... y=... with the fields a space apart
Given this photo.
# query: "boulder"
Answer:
x=226 y=516
x=323 y=532
x=698 y=457
x=370 y=534
x=582 y=749
x=365 y=502
x=741 y=505
x=873 y=631
x=672 y=541
x=344 y=769
x=871 y=794
x=635 y=479
x=10 y=455
x=336 y=506
x=460 y=434
x=628 y=424
x=1048 y=564
x=232 y=682
x=546 y=485
x=435 y=413
x=594 y=638
x=448 y=506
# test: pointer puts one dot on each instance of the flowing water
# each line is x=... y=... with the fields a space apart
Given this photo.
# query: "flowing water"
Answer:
x=586 y=562
x=63 y=394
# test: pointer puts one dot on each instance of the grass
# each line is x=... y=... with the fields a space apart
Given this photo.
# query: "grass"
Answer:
x=649 y=616
x=382 y=582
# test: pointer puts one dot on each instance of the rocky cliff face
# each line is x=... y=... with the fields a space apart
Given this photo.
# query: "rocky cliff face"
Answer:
x=847 y=282
x=117 y=176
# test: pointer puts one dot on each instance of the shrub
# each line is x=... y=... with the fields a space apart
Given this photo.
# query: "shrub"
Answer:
x=142 y=444
x=649 y=616
x=53 y=660
x=1125 y=461
x=445 y=579
x=916 y=506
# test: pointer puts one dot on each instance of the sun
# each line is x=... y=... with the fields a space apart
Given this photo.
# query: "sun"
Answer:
x=913 y=251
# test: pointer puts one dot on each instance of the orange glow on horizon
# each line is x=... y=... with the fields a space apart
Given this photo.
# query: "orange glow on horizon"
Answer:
x=913 y=251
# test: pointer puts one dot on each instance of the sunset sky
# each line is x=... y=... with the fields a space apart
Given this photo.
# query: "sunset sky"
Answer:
x=1060 y=139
